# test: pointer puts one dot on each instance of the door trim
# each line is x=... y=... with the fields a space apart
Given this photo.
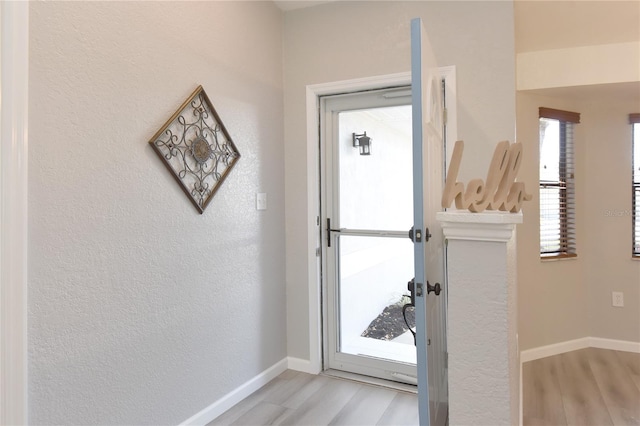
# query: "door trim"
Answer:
x=313 y=93
x=14 y=71
x=338 y=353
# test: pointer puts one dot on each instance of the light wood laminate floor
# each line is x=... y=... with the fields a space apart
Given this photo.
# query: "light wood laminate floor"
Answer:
x=585 y=387
x=295 y=398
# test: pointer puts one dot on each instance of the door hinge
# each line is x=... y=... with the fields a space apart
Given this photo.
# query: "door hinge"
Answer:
x=444 y=116
x=317 y=251
x=446 y=360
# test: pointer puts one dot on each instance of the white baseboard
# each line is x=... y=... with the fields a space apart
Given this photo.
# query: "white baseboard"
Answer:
x=555 y=349
x=238 y=394
x=616 y=345
x=299 y=364
x=573 y=345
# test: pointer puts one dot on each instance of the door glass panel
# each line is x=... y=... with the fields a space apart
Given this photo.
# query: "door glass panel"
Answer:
x=374 y=272
x=369 y=208
x=376 y=189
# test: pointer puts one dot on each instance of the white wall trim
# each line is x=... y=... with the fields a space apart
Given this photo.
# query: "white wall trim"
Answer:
x=14 y=72
x=238 y=394
x=313 y=92
x=555 y=349
x=573 y=345
x=616 y=345
x=298 y=364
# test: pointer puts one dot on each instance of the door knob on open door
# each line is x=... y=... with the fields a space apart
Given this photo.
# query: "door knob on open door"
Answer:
x=434 y=288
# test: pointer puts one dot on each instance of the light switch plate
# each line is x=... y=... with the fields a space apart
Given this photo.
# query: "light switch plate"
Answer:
x=261 y=201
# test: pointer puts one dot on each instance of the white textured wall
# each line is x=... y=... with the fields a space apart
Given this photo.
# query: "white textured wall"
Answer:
x=141 y=310
x=346 y=40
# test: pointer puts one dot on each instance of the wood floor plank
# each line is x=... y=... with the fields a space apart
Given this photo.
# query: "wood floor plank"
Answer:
x=403 y=410
x=631 y=361
x=238 y=410
x=618 y=389
x=583 y=403
x=264 y=413
x=541 y=394
x=366 y=407
x=298 y=398
x=585 y=387
x=288 y=386
x=323 y=405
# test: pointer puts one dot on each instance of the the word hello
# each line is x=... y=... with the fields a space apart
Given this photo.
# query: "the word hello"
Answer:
x=499 y=192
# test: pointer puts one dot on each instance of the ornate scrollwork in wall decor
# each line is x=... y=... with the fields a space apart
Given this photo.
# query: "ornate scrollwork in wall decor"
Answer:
x=196 y=148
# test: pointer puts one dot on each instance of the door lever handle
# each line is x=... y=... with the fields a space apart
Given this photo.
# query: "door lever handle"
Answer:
x=411 y=286
x=329 y=231
x=418 y=235
x=434 y=288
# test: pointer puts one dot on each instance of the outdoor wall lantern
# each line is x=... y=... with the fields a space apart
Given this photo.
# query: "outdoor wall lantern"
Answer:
x=363 y=142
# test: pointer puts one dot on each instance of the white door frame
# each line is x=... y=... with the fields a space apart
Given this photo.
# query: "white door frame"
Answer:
x=313 y=94
x=14 y=71
x=313 y=194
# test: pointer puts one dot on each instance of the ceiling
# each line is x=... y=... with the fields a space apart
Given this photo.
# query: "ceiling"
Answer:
x=287 y=5
x=543 y=25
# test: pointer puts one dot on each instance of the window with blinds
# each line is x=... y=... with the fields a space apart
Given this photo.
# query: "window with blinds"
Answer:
x=634 y=119
x=557 y=183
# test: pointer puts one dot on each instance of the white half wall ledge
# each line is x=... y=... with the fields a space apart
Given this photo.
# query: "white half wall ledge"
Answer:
x=484 y=365
x=493 y=226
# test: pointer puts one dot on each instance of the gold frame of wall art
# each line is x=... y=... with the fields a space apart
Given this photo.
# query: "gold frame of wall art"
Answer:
x=196 y=148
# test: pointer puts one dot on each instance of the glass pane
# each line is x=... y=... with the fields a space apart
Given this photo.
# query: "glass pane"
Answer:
x=374 y=272
x=549 y=219
x=549 y=150
x=376 y=189
x=636 y=247
x=636 y=152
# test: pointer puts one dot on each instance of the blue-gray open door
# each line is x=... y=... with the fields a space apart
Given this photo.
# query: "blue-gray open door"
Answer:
x=428 y=179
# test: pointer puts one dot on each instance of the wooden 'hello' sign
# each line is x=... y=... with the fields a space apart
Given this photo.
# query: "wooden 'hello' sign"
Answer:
x=499 y=192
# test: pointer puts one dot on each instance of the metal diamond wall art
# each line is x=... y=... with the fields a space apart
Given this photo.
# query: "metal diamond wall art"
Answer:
x=196 y=148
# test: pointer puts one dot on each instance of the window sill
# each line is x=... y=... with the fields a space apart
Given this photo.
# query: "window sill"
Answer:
x=559 y=257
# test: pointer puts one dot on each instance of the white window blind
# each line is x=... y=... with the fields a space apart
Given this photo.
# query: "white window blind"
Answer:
x=634 y=119
x=557 y=183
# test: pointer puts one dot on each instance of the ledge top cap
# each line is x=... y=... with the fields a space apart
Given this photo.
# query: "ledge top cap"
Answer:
x=486 y=217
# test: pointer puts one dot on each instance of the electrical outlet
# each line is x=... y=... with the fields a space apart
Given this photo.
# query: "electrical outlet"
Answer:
x=617 y=299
